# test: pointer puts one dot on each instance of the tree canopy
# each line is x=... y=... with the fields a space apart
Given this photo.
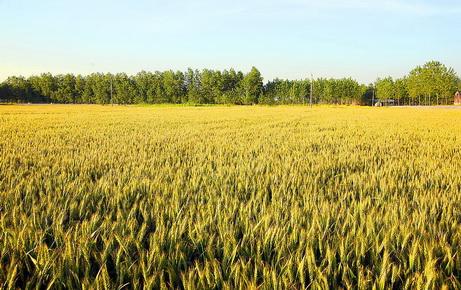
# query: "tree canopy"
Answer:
x=432 y=83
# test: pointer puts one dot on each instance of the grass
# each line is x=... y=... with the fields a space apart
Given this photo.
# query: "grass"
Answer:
x=112 y=197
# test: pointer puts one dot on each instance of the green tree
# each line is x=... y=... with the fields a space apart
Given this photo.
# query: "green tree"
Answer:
x=3 y=92
x=286 y=92
x=47 y=86
x=415 y=84
x=65 y=88
x=80 y=84
x=18 y=89
x=433 y=82
x=173 y=84
x=401 y=90
x=212 y=86
x=143 y=82
x=124 y=90
x=329 y=92
x=252 y=86
x=193 y=86
x=35 y=84
x=385 y=88
x=230 y=87
x=99 y=90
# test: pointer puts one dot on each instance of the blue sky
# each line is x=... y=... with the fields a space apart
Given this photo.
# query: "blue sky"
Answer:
x=363 y=39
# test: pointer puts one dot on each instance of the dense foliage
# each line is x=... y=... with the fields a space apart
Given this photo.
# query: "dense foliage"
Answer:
x=430 y=84
x=433 y=83
x=122 y=197
x=197 y=87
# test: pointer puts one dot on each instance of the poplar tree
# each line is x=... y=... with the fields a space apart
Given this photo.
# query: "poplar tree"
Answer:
x=253 y=86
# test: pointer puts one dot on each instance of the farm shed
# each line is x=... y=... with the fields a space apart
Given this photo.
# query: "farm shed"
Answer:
x=385 y=102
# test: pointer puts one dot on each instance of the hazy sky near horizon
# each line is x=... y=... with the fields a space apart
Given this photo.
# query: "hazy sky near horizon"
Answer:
x=363 y=39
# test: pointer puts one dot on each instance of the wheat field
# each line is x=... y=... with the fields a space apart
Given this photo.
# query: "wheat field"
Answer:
x=124 y=197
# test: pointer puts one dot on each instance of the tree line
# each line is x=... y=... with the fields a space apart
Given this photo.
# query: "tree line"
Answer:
x=432 y=83
x=193 y=86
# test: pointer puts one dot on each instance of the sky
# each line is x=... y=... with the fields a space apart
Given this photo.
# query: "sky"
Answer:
x=362 y=39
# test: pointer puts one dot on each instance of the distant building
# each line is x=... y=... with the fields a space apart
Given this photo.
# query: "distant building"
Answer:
x=458 y=98
x=384 y=102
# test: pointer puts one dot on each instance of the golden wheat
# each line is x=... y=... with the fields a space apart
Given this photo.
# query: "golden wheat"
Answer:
x=112 y=197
